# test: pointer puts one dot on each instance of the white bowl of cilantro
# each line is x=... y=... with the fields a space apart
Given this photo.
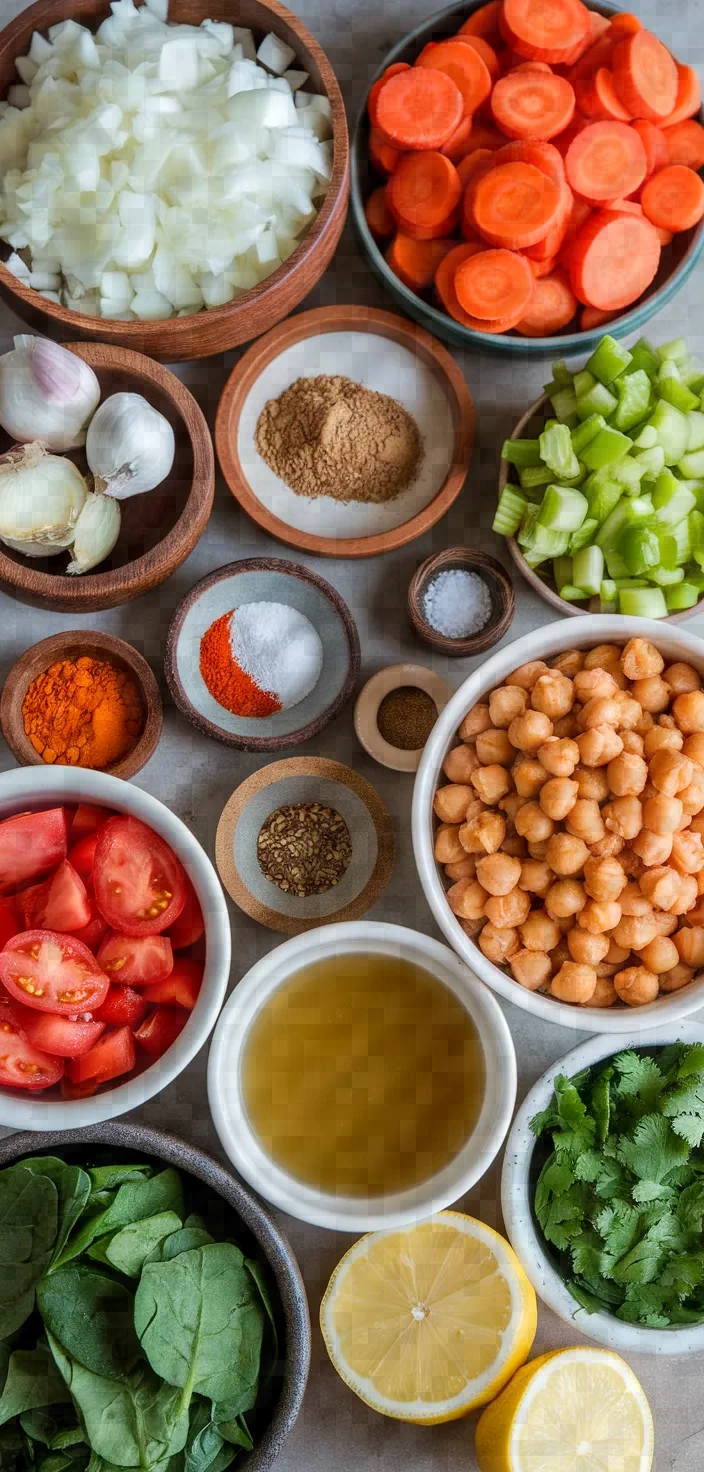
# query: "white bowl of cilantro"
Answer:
x=603 y=1189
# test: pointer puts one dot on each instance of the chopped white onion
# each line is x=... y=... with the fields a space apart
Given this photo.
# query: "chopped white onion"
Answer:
x=275 y=54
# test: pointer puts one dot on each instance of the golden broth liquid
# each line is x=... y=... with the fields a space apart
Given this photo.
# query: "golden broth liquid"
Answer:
x=364 y=1075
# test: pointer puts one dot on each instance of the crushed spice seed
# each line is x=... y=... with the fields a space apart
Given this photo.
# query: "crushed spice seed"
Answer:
x=304 y=848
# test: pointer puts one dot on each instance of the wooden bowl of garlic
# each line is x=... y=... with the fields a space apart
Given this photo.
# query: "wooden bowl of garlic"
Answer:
x=81 y=532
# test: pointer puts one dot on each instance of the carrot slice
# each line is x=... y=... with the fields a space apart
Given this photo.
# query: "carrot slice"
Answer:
x=579 y=214
x=516 y=205
x=469 y=165
x=419 y=108
x=624 y=206
x=378 y=215
x=483 y=165
x=551 y=307
x=598 y=54
x=613 y=260
x=684 y=144
x=606 y=161
x=445 y=277
x=533 y=151
x=552 y=243
x=563 y=140
x=673 y=198
x=424 y=195
x=382 y=155
x=542 y=268
x=591 y=317
x=375 y=89
x=545 y=30
x=597 y=99
x=689 y=96
x=416 y=261
x=664 y=236
x=459 y=141
x=645 y=76
x=533 y=66
x=532 y=104
x=655 y=145
x=484 y=22
x=465 y=67
x=626 y=24
x=483 y=49
x=494 y=284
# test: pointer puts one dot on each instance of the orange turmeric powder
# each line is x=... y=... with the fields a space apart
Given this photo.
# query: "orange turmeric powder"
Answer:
x=83 y=713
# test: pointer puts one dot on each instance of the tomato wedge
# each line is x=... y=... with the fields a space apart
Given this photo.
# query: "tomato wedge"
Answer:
x=82 y=854
x=65 y=1037
x=30 y=845
x=53 y=973
x=22 y=1066
x=180 y=989
x=122 y=1006
x=92 y=933
x=87 y=819
x=160 y=1029
x=140 y=886
x=112 y=1055
x=60 y=903
x=190 y=925
x=9 y=924
x=136 y=960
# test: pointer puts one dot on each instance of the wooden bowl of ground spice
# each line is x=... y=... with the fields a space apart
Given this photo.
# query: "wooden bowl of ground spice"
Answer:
x=82 y=699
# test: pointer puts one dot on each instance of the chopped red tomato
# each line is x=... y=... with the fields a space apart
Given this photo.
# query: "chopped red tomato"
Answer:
x=54 y=973
x=140 y=886
x=180 y=989
x=77 y=1091
x=136 y=960
x=30 y=845
x=88 y=818
x=82 y=854
x=63 y=1036
x=92 y=933
x=160 y=1029
x=122 y=1006
x=112 y=1056
x=22 y=1066
x=60 y=903
x=190 y=925
x=9 y=924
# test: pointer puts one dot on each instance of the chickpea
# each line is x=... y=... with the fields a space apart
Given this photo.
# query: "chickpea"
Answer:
x=674 y=980
x=585 y=948
x=692 y=797
x=460 y=763
x=687 y=898
x=476 y=720
x=553 y=694
x=627 y=775
x=601 y=656
x=532 y=823
x=653 y=848
x=498 y=945
x=558 y=797
x=632 y=717
x=694 y=748
x=538 y=850
x=448 y=849
x=564 y=898
x=617 y=674
x=490 y=783
x=536 y=877
x=527 y=674
x=594 y=684
x=467 y=899
x=585 y=821
x=652 y=694
x=662 y=814
x=608 y=847
x=566 y=854
x=689 y=942
x=604 y=878
x=483 y=834
x=688 y=711
x=472 y=927
x=670 y=772
x=529 y=775
x=559 y=956
x=633 y=932
x=601 y=711
x=592 y=782
x=599 y=745
x=662 y=738
x=498 y=873
x=510 y=805
x=508 y=909
x=687 y=852
x=697 y=823
x=574 y=983
x=631 y=864
x=604 y=994
x=493 y=746
x=463 y=869
x=659 y=955
x=661 y=886
x=539 y=932
x=632 y=742
x=682 y=678
x=640 y=659
x=515 y=846
x=598 y=916
x=616 y=955
x=505 y=704
x=666 y=923
x=636 y=986
x=529 y=731
x=644 y=724
x=530 y=969
x=565 y=923
x=451 y=802
x=624 y=816
x=566 y=728
x=569 y=663
x=559 y=757
x=668 y=721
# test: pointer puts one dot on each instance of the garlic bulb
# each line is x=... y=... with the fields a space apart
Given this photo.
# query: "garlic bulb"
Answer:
x=129 y=446
x=46 y=394
x=97 y=530
x=41 y=497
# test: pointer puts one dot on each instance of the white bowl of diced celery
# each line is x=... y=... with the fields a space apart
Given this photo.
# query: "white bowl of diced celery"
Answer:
x=602 y=500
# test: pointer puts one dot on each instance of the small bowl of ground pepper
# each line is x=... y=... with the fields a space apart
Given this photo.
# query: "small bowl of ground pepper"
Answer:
x=82 y=699
x=395 y=713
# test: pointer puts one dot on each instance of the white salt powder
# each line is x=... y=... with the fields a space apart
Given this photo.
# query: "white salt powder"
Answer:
x=278 y=648
x=457 y=603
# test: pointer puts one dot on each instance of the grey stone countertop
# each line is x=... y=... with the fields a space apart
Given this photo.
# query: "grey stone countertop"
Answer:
x=195 y=776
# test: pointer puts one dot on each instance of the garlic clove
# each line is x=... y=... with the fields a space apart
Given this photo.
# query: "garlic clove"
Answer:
x=47 y=394
x=97 y=530
x=41 y=497
x=130 y=446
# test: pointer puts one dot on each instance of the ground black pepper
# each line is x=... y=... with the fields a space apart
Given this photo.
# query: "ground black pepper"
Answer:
x=304 y=848
x=406 y=717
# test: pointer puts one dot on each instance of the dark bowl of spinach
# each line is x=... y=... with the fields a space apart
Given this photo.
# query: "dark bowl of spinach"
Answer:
x=152 y=1314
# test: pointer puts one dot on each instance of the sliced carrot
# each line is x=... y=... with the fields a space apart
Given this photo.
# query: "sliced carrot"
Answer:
x=542 y=268
x=598 y=25
x=664 y=236
x=553 y=242
x=655 y=145
x=375 y=89
x=494 y=284
x=429 y=46
x=382 y=155
x=484 y=22
x=416 y=261
x=689 y=96
x=613 y=260
x=684 y=144
x=551 y=307
x=563 y=140
x=483 y=49
x=626 y=24
x=378 y=215
x=598 y=54
x=516 y=205
x=445 y=277
x=645 y=76
x=624 y=207
x=465 y=67
x=419 y=108
x=424 y=195
x=591 y=317
x=579 y=214
x=605 y=161
x=533 y=151
x=545 y=30
x=533 y=66
x=597 y=98
x=483 y=165
x=485 y=135
x=469 y=165
x=532 y=104
x=459 y=141
x=673 y=198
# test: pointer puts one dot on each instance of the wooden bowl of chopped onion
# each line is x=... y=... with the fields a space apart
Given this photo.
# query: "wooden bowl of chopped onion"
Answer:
x=234 y=195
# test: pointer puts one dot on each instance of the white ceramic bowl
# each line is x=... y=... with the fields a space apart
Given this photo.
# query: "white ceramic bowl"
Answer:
x=357 y=1214
x=518 y=1217
x=38 y=787
x=543 y=643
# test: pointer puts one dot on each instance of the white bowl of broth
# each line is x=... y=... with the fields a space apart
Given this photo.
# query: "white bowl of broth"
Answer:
x=361 y=1077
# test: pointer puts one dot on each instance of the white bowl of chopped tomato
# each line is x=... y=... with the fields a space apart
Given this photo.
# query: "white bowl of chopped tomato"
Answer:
x=114 y=947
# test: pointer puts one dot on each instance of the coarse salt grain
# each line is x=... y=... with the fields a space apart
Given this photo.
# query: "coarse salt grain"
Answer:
x=278 y=648
x=457 y=603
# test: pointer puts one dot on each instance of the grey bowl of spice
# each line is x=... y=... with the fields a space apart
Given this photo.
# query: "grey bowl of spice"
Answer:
x=461 y=601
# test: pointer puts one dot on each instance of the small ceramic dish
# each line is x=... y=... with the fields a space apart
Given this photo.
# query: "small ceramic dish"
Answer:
x=518 y=1181
x=296 y=781
x=358 y=1213
x=262 y=579
x=500 y=587
x=74 y=644
x=385 y=353
x=395 y=677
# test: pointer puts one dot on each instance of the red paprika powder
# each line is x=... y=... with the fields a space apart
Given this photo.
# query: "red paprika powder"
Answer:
x=235 y=690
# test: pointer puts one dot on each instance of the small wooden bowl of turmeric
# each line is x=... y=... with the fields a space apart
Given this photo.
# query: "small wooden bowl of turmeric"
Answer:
x=82 y=699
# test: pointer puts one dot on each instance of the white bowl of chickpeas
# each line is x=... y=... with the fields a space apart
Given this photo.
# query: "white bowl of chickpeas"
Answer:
x=558 y=823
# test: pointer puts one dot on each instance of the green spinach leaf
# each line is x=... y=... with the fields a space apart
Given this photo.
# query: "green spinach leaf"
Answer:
x=73 y=1189
x=92 y=1317
x=133 y=1422
x=206 y=1449
x=28 y=1222
x=32 y=1381
x=129 y=1249
x=183 y=1241
x=135 y=1199
x=237 y=1432
x=109 y=1177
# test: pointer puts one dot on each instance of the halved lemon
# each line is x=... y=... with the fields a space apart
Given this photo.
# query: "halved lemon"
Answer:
x=575 y=1410
x=427 y=1323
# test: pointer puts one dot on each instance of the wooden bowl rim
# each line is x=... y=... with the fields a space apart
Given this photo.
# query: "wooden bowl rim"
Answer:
x=393 y=677
x=177 y=329
x=475 y=560
x=231 y=738
x=318 y=322
x=568 y=610
x=65 y=645
x=301 y=766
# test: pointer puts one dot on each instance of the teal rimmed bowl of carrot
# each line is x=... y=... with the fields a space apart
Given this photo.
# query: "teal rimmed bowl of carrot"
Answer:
x=525 y=171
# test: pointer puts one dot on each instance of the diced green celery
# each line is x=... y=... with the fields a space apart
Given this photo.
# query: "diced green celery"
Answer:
x=642 y=603
x=639 y=509
x=588 y=567
x=562 y=572
x=534 y=476
x=583 y=536
x=628 y=472
x=622 y=583
x=564 y=402
x=608 y=360
x=602 y=495
x=683 y=542
x=611 y=529
x=685 y=595
x=675 y=350
x=640 y=550
x=643 y=356
x=608 y=596
x=672 y=430
x=666 y=577
x=668 y=550
x=521 y=452
x=556 y=451
x=695 y=576
x=634 y=393
x=692 y=465
x=583 y=382
x=597 y=400
x=574 y=595
x=697 y=489
x=584 y=433
x=672 y=499
x=561 y=373
x=646 y=439
x=691 y=372
x=546 y=545
x=563 y=509
x=609 y=446
x=615 y=564
x=653 y=460
x=695 y=524
x=509 y=512
x=670 y=387
x=526 y=530
x=695 y=438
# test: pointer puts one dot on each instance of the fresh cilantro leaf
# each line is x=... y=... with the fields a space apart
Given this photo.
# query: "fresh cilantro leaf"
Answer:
x=647 y=1191
x=600 y=1099
x=692 y=1060
x=639 y=1078
x=545 y=1119
x=561 y=1222
x=690 y=1207
x=653 y=1151
x=586 y=1255
x=684 y=1273
x=644 y=1304
x=618 y=1225
x=641 y=1264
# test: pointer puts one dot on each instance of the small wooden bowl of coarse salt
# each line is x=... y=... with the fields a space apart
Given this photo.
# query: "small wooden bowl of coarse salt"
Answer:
x=461 y=601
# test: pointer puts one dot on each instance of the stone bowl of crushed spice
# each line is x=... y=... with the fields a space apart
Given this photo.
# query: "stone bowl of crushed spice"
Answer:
x=461 y=601
x=304 y=842
x=395 y=712
x=345 y=465
x=82 y=699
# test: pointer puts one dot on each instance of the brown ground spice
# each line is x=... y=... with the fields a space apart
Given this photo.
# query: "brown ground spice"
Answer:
x=406 y=717
x=329 y=436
